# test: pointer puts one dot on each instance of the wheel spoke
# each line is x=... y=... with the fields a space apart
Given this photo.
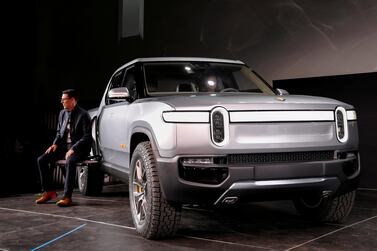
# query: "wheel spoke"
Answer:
x=138 y=204
x=139 y=185
x=82 y=178
x=138 y=194
x=143 y=208
x=140 y=207
x=139 y=170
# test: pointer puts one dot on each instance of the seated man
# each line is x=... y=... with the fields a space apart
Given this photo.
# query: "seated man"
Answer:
x=72 y=143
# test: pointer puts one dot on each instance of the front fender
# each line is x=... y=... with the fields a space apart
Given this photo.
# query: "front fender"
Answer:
x=148 y=120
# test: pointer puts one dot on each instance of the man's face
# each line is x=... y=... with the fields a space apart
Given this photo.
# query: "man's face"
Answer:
x=67 y=102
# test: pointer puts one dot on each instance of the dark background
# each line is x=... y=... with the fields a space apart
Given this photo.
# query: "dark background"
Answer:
x=310 y=47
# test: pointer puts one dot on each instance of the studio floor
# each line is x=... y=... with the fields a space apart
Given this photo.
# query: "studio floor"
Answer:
x=104 y=223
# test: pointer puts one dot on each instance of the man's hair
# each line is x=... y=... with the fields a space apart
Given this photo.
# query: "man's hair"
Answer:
x=71 y=93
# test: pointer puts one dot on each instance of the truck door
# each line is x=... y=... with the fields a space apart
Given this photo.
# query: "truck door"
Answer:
x=113 y=127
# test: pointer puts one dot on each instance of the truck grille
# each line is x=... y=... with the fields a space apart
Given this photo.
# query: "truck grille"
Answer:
x=263 y=158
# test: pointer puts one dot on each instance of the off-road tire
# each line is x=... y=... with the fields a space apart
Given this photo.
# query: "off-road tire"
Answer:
x=90 y=180
x=152 y=215
x=334 y=209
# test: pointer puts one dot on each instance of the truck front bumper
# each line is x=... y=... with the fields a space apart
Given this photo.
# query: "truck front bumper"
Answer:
x=269 y=181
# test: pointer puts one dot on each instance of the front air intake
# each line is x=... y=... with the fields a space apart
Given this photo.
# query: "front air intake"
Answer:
x=268 y=158
x=220 y=126
x=341 y=124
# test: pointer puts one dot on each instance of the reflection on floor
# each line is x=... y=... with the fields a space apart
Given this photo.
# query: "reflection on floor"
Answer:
x=104 y=223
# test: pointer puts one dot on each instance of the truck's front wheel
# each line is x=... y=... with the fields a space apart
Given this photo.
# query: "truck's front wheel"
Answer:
x=152 y=215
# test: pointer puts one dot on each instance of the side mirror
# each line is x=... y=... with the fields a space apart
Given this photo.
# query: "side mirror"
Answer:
x=281 y=92
x=118 y=94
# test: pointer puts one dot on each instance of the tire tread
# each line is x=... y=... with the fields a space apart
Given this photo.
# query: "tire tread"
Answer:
x=164 y=216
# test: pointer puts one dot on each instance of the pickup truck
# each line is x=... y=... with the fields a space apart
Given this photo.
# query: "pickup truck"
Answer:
x=212 y=132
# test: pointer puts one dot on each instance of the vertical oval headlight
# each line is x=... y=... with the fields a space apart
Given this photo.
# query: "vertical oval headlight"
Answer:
x=220 y=126
x=341 y=124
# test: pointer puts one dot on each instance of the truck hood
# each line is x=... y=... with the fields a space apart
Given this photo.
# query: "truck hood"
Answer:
x=247 y=101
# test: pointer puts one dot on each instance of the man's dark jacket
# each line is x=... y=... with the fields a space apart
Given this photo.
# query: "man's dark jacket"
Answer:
x=80 y=130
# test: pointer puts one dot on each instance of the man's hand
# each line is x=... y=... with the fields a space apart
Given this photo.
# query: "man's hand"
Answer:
x=69 y=153
x=52 y=148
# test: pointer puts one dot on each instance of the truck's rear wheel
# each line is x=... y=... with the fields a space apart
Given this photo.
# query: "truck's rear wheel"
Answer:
x=319 y=209
x=90 y=180
x=152 y=215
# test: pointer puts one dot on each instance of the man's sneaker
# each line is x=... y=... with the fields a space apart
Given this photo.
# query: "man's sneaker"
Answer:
x=65 y=202
x=46 y=196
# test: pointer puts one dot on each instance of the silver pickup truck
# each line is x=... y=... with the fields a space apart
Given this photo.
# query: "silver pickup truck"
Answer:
x=212 y=131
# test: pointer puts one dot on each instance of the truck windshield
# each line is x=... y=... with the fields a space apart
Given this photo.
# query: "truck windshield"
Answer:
x=201 y=77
